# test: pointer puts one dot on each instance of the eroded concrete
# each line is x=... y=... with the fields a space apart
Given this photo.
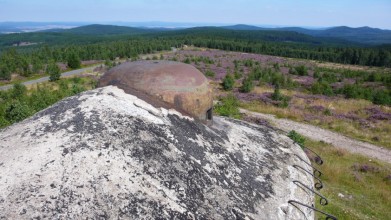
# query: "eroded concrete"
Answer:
x=106 y=154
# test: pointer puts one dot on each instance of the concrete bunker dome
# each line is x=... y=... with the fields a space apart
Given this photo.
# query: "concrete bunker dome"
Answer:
x=164 y=84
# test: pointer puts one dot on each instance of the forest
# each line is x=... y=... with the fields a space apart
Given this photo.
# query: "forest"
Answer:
x=87 y=45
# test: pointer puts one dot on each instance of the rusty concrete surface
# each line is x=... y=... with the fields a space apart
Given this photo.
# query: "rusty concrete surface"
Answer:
x=178 y=85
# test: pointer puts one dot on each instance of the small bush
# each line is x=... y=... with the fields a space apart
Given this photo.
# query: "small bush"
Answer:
x=237 y=75
x=297 y=138
x=327 y=112
x=5 y=73
x=73 y=61
x=322 y=88
x=228 y=106
x=18 y=91
x=54 y=71
x=301 y=70
x=210 y=73
x=247 y=85
x=277 y=96
x=228 y=82
x=17 y=111
x=276 y=66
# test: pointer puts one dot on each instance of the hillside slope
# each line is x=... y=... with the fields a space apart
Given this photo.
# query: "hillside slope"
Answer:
x=366 y=35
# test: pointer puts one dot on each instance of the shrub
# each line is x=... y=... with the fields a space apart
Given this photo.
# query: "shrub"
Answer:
x=17 y=111
x=277 y=96
x=228 y=82
x=18 y=91
x=301 y=70
x=297 y=138
x=382 y=97
x=54 y=72
x=73 y=61
x=276 y=66
x=327 y=112
x=283 y=101
x=187 y=60
x=228 y=106
x=237 y=75
x=292 y=71
x=210 y=73
x=5 y=73
x=248 y=63
x=247 y=85
x=322 y=88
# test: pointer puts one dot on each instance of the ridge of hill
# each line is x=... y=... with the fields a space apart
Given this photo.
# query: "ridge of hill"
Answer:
x=365 y=34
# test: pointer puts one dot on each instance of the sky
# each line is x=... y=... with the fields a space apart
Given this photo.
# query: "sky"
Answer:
x=304 y=13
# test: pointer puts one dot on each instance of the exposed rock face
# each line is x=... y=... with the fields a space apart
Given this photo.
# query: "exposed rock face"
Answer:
x=108 y=155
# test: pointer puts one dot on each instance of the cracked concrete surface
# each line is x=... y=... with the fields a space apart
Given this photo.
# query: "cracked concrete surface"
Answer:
x=105 y=154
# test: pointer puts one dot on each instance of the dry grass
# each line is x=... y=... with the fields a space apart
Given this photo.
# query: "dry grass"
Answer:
x=262 y=89
x=343 y=106
x=347 y=66
x=375 y=132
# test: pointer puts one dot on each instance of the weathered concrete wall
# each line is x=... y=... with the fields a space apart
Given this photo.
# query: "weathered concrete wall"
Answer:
x=106 y=155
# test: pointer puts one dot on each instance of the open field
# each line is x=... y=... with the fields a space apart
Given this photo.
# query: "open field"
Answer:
x=334 y=97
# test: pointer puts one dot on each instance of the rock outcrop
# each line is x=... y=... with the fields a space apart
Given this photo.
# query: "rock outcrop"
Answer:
x=105 y=154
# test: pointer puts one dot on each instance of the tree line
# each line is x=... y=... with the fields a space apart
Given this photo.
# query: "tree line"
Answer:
x=35 y=59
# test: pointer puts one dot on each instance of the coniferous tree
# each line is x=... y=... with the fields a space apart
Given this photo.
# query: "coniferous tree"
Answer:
x=228 y=82
x=73 y=61
x=54 y=71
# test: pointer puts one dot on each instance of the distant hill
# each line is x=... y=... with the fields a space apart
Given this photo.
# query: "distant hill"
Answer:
x=99 y=33
x=244 y=27
x=23 y=27
x=98 y=29
x=366 y=35
x=363 y=34
x=267 y=35
x=79 y=35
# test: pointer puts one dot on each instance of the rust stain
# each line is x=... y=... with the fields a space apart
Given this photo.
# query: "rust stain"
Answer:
x=177 y=85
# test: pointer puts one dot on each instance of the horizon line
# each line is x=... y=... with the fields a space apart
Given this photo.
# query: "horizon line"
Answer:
x=190 y=24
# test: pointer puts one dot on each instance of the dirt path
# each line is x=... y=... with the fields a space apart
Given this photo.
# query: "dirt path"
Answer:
x=320 y=134
x=46 y=78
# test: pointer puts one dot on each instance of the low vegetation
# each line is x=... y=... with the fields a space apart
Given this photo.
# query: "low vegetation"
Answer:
x=358 y=119
x=351 y=101
x=356 y=187
x=228 y=106
x=20 y=102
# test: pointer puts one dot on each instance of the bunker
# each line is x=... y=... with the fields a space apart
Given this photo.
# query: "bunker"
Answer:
x=165 y=84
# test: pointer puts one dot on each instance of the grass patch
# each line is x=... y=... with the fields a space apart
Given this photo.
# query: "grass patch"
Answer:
x=228 y=106
x=332 y=114
x=357 y=187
